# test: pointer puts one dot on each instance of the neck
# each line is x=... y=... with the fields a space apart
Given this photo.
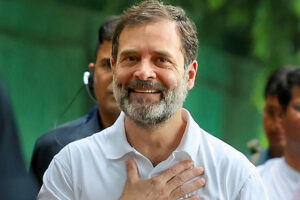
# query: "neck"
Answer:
x=292 y=154
x=276 y=151
x=156 y=143
x=108 y=117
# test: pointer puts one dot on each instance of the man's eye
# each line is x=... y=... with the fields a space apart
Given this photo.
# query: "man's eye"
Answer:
x=162 y=59
x=163 y=62
x=297 y=107
x=131 y=58
x=106 y=64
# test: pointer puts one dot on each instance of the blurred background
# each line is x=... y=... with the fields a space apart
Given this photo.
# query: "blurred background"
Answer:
x=45 y=46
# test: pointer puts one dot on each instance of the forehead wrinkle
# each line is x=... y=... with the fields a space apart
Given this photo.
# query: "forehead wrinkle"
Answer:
x=147 y=28
x=152 y=48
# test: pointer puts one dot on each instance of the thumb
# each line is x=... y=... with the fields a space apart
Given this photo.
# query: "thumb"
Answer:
x=132 y=170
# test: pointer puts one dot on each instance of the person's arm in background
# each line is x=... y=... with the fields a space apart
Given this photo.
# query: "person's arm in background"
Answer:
x=15 y=183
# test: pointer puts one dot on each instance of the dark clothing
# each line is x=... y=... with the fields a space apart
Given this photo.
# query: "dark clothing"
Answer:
x=49 y=144
x=15 y=183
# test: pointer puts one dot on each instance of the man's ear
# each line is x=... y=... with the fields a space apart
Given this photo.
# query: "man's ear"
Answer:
x=91 y=67
x=192 y=72
x=112 y=63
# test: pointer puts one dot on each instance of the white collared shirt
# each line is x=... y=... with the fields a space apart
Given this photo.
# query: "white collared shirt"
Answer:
x=93 y=168
x=281 y=181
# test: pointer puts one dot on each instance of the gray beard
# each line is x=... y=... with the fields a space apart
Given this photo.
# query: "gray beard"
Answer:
x=144 y=114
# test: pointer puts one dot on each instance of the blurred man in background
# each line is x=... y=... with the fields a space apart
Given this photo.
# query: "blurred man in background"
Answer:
x=99 y=118
x=272 y=126
x=282 y=175
x=15 y=183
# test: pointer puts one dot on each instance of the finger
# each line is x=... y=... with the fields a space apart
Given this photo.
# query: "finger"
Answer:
x=195 y=197
x=175 y=170
x=184 y=177
x=132 y=170
x=183 y=190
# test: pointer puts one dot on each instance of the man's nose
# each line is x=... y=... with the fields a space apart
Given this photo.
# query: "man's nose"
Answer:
x=144 y=71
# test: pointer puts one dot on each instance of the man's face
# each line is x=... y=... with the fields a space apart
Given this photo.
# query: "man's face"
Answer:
x=291 y=118
x=103 y=79
x=272 y=126
x=150 y=83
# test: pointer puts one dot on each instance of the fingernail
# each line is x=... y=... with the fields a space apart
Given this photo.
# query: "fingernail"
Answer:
x=190 y=161
x=202 y=181
x=200 y=170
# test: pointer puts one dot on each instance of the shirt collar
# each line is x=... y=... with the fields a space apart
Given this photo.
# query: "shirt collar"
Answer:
x=115 y=143
x=190 y=141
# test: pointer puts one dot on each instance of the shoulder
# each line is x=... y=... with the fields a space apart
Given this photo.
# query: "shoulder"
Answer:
x=222 y=152
x=74 y=163
x=275 y=178
x=80 y=153
x=100 y=146
x=270 y=166
x=215 y=151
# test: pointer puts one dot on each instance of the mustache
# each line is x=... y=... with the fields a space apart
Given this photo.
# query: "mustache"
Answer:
x=148 y=84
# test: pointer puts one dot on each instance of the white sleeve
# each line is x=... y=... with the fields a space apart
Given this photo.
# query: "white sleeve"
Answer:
x=253 y=189
x=57 y=182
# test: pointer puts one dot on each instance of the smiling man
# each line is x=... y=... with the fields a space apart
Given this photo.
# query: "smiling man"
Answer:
x=154 y=66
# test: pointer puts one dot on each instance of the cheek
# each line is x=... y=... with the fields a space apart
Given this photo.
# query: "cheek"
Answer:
x=289 y=123
x=169 y=79
x=102 y=80
x=123 y=75
x=269 y=122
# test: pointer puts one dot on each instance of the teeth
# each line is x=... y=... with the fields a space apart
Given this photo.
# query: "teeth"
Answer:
x=145 y=91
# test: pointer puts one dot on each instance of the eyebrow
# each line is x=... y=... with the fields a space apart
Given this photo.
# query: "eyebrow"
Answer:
x=163 y=53
x=160 y=53
x=128 y=52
